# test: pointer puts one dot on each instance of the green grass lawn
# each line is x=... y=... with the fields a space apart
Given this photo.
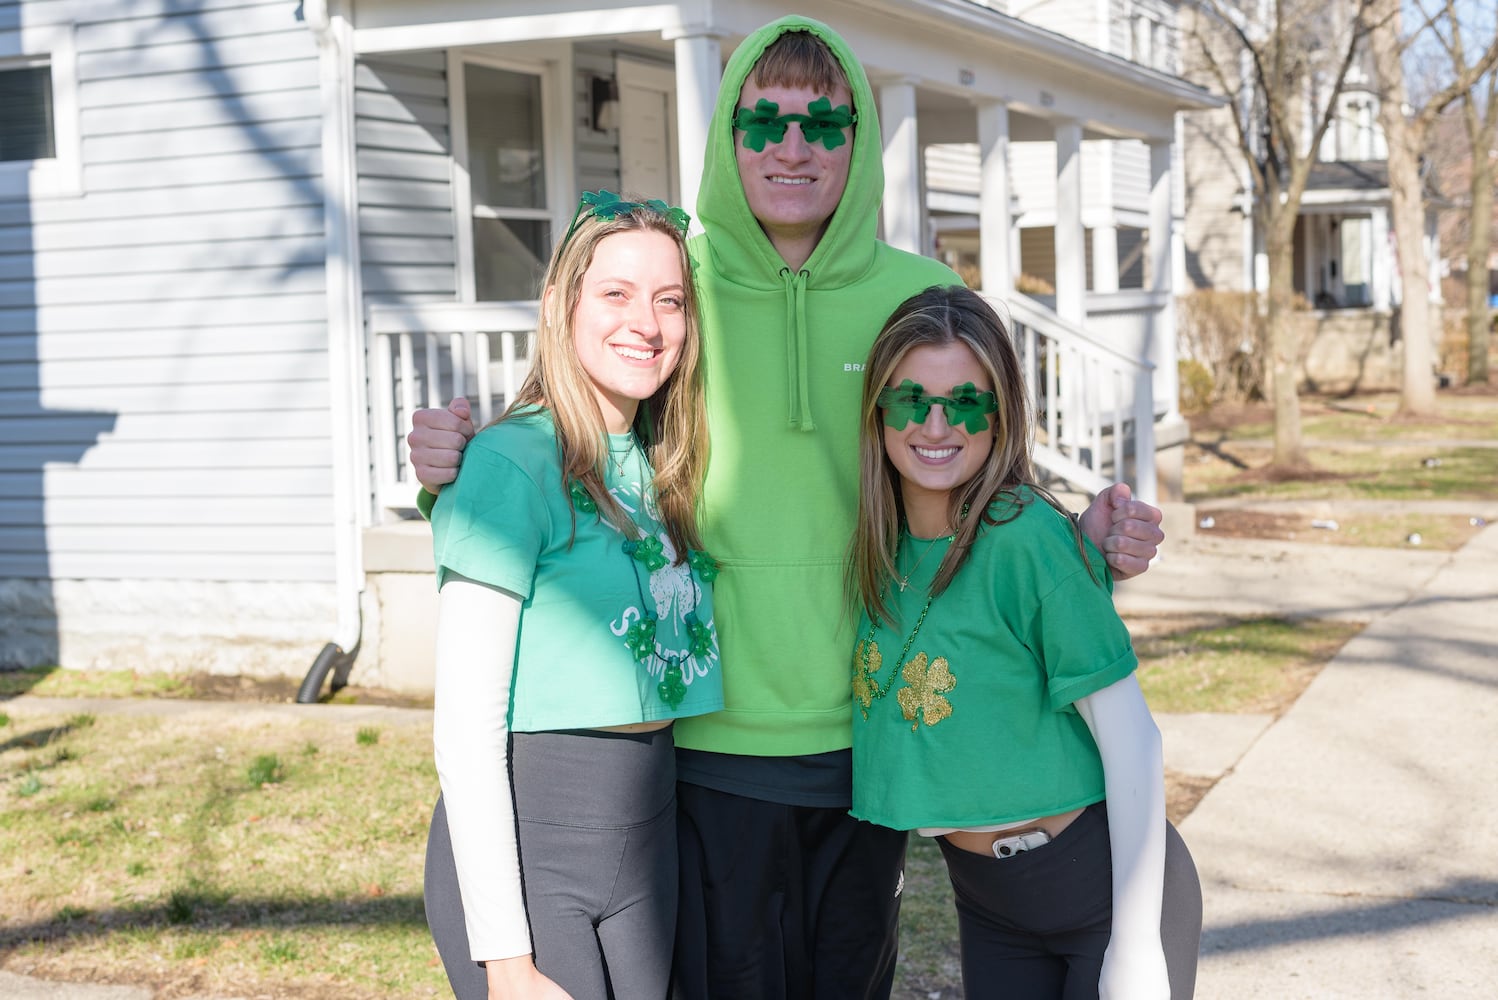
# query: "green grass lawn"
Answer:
x=1358 y=449
x=1369 y=417
x=205 y=858
x=286 y=859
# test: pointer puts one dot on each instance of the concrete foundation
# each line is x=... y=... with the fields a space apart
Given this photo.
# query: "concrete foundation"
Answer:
x=251 y=629
x=400 y=608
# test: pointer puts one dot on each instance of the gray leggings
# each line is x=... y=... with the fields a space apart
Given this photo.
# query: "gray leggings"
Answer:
x=596 y=814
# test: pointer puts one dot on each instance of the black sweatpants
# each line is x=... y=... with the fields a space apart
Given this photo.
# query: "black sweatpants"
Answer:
x=782 y=901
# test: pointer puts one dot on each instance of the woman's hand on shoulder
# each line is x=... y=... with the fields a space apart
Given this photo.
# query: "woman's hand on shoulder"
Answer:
x=1125 y=530
x=518 y=979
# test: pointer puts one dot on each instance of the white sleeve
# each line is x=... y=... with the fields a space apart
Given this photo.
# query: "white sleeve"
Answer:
x=477 y=627
x=1134 y=776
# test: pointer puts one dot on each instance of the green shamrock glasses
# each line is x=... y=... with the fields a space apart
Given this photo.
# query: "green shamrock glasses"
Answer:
x=764 y=123
x=966 y=407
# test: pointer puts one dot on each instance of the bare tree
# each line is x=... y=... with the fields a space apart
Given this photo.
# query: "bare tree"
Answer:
x=1283 y=64
x=1482 y=130
x=1407 y=128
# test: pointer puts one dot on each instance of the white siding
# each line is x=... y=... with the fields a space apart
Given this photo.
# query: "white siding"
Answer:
x=407 y=233
x=163 y=357
x=1131 y=176
x=1076 y=19
x=953 y=167
x=1033 y=170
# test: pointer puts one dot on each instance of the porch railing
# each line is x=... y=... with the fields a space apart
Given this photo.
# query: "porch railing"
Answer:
x=1095 y=404
x=424 y=354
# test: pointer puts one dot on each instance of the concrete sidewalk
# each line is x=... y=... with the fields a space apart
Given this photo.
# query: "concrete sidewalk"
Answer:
x=1353 y=850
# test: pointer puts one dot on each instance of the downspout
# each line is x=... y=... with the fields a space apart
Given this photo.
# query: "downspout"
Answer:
x=346 y=391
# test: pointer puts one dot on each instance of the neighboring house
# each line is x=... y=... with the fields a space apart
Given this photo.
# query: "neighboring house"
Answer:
x=240 y=241
x=1345 y=266
x=1451 y=156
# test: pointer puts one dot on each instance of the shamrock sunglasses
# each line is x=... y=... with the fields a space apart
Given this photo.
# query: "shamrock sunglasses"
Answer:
x=823 y=123
x=966 y=407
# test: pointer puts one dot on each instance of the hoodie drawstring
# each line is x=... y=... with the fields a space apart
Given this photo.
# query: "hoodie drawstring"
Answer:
x=798 y=379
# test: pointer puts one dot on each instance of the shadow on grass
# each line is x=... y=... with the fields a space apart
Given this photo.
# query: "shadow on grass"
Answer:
x=1263 y=636
x=14 y=683
x=212 y=911
x=38 y=738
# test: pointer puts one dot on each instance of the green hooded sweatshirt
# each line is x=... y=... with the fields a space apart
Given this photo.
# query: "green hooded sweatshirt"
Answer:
x=784 y=354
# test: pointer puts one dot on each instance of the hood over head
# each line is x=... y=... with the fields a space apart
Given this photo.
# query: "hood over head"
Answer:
x=740 y=247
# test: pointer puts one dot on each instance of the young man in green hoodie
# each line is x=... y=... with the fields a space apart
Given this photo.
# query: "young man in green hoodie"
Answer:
x=782 y=893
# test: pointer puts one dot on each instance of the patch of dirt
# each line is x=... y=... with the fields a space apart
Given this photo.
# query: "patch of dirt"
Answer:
x=1236 y=523
x=280 y=690
x=1182 y=794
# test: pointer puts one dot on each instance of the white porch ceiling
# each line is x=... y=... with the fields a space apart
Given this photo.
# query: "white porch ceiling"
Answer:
x=958 y=54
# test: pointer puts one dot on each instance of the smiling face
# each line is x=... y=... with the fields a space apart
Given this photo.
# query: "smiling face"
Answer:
x=630 y=321
x=793 y=186
x=935 y=457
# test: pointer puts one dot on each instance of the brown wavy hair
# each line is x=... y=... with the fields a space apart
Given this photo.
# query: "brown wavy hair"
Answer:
x=940 y=315
x=671 y=425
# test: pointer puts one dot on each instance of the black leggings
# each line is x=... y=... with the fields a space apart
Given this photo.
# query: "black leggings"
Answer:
x=597 y=820
x=1036 y=925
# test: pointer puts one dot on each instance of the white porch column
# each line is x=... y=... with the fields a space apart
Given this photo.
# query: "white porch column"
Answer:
x=1105 y=236
x=1105 y=258
x=699 y=70
x=1380 y=294
x=993 y=199
x=1071 y=264
x=1161 y=274
x=902 y=165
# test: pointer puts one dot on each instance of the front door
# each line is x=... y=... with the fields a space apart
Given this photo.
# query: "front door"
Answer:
x=647 y=130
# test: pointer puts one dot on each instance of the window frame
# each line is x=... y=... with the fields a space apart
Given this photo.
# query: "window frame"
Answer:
x=553 y=151
x=60 y=175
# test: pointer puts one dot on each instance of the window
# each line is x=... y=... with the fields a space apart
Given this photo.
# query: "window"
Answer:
x=507 y=168
x=38 y=114
x=27 y=131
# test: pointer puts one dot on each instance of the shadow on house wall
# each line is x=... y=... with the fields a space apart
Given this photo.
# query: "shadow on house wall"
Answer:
x=35 y=436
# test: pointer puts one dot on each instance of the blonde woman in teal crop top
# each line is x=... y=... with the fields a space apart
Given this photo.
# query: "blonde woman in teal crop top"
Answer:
x=995 y=703
x=575 y=624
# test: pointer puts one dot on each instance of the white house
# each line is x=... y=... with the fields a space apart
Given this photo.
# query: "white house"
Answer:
x=240 y=240
x=1345 y=265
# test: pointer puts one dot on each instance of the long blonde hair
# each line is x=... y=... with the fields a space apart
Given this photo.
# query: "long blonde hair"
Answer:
x=939 y=315
x=671 y=425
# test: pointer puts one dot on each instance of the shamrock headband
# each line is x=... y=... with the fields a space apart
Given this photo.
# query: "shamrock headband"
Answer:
x=823 y=123
x=608 y=205
x=966 y=407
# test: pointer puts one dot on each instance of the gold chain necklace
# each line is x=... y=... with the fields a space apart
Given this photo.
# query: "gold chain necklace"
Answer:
x=903 y=581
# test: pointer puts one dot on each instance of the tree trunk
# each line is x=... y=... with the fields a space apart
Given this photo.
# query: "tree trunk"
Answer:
x=1284 y=345
x=1479 y=243
x=1418 y=390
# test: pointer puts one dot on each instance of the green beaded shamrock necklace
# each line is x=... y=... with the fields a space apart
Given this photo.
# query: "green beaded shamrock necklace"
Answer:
x=647 y=551
x=868 y=662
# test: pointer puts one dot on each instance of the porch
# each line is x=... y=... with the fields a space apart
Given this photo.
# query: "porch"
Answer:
x=461 y=133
